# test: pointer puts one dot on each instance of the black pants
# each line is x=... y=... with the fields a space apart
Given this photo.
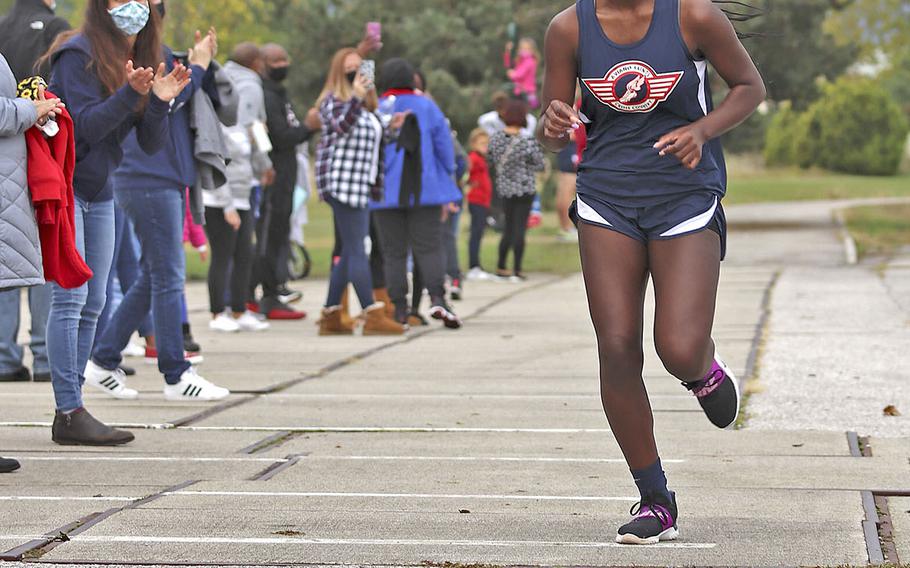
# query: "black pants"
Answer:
x=479 y=215
x=273 y=232
x=420 y=230
x=516 y=211
x=229 y=247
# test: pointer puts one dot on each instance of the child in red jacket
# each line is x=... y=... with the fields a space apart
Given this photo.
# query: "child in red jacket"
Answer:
x=480 y=193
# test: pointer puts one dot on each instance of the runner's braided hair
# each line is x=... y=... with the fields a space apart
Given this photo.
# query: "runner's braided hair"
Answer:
x=740 y=12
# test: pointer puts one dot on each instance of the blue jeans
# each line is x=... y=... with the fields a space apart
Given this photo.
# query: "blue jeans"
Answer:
x=74 y=313
x=354 y=266
x=39 y=304
x=124 y=270
x=450 y=243
x=157 y=216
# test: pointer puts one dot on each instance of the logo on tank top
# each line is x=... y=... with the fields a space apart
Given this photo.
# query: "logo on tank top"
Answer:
x=633 y=86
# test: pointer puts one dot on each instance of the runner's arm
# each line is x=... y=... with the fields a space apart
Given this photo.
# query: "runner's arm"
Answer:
x=560 y=80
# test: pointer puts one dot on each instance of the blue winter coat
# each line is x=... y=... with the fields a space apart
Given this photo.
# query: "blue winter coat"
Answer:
x=438 y=156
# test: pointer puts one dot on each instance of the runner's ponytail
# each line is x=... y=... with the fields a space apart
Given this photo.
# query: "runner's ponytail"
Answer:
x=740 y=12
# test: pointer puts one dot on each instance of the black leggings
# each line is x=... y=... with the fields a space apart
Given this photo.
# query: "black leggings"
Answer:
x=229 y=247
x=516 y=210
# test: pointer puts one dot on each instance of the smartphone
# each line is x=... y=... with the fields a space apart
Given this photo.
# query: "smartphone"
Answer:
x=374 y=29
x=368 y=72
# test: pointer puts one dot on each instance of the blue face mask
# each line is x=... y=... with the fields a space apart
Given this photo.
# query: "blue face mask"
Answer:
x=131 y=17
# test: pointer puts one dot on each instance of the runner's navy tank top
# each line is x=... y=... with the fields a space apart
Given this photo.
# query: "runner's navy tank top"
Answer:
x=633 y=94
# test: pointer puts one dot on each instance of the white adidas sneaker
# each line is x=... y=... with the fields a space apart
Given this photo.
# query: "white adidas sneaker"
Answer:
x=111 y=383
x=194 y=388
x=133 y=351
x=249 y=322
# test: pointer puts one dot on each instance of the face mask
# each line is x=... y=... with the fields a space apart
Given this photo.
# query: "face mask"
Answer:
x=351 y=76
x=278 y=74
x=131 y=18
x=161 y=9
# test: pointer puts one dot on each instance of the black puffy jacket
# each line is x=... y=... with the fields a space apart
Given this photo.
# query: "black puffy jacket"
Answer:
x=26 y=33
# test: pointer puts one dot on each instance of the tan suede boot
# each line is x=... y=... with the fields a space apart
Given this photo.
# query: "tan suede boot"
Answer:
x=331 y=323
x=346 y=319
x=382 y=295
x=378 y=321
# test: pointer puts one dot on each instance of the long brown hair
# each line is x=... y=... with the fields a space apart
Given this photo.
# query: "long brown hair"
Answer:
x=337 y=83
x=110 y=48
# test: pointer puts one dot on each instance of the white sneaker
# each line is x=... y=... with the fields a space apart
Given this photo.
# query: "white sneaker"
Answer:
x=224 y=323
x=249 y=322
x=192 y=387
x=111 y=383
x=478 y=273
x=133 y=351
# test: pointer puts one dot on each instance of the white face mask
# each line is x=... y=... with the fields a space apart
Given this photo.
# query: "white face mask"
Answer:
x=131 y=18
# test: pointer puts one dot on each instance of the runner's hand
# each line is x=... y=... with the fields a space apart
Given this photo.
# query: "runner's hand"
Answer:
x=685 y=143
x=559 y=120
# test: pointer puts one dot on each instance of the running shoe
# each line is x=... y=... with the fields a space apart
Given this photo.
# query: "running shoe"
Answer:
x=478 y=273
x=132 y=350
x=8 y=465
x=718 y=394
x=111 y=383
x=151 y=357
x=654 y=521
x=277 y=310
x=442 y=312
x=288 y=296
x=224 y=323
x=456 y=290
x=249 y=322
x=192 y=387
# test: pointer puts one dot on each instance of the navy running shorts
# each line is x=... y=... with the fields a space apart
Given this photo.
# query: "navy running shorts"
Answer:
x=678 y=216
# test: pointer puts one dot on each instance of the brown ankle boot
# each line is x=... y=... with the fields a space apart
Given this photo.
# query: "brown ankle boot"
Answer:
x=331 y=323
x=378 y=321
x=346 y=319
x=382 y=295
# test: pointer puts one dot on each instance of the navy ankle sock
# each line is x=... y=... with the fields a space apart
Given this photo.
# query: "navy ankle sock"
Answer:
x=651 y=480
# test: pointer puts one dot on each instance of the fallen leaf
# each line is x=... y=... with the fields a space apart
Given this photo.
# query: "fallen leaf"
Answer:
x=892 y=410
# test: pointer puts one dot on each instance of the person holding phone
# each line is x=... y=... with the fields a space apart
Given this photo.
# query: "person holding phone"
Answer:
x=649 y=205
x=112 y=78
x=349 y=176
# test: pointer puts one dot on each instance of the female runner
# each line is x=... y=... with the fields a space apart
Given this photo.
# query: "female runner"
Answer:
x=649 y=190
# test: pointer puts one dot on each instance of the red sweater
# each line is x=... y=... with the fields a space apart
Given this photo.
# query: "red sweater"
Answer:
x=50 y=179
x=481 y=192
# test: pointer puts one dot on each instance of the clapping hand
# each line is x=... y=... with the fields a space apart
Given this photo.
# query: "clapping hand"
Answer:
x=205 y=49
x=140 y=79
x=168 y=87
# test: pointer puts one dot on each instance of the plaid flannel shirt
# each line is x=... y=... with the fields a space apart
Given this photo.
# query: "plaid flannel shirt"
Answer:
x=346 y=153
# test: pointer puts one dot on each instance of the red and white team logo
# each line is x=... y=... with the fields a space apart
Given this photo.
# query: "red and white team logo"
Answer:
x=634 y=86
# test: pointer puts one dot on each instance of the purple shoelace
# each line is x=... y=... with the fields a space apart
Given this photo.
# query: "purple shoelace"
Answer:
x=659 y=512
x=704 y=388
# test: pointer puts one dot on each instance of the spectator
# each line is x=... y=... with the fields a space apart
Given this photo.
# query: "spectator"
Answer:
x=26 y=32
x=492 y=122
x=518 y=158
x=480 y=193
x=420 y=167
x=524 y=72
x=229 y=221
x=111 y=76
x=151 y=189
x=286 y=132
x=349 y=175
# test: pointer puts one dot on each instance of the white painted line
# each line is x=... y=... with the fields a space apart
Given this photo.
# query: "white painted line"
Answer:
x=147 y=459
x=53 y=498
x=130 y=425
x=461 y=396
x=314 y=494
x=478 y=459
x=394 y=430
x=375 y=542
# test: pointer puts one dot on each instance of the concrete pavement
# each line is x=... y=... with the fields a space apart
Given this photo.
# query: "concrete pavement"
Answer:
x=488 y=446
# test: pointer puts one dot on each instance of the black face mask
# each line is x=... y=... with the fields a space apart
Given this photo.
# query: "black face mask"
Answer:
x=161 y=9
x=278 y=74
x=351 y=76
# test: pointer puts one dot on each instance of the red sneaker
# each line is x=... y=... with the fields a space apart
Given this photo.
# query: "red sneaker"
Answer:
x=277 y=310
x=252 y=307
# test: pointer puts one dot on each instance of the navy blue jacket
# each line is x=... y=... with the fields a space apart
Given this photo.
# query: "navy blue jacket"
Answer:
x=174 y=166
x=102 y=122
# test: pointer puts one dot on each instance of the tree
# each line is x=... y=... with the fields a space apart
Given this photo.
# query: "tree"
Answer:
x=873 y=25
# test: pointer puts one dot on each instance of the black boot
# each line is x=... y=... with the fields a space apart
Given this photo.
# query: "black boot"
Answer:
x=21 y=375
x=189 y=344
x=8 y=465
x=79 y=428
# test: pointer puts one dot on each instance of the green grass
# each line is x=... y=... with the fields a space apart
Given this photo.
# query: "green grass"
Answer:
x=546 y=254
x=879 y=230
x=797 y=185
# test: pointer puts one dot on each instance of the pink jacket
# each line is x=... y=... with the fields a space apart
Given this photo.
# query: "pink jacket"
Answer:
x=192 y=233
x=524 y=75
